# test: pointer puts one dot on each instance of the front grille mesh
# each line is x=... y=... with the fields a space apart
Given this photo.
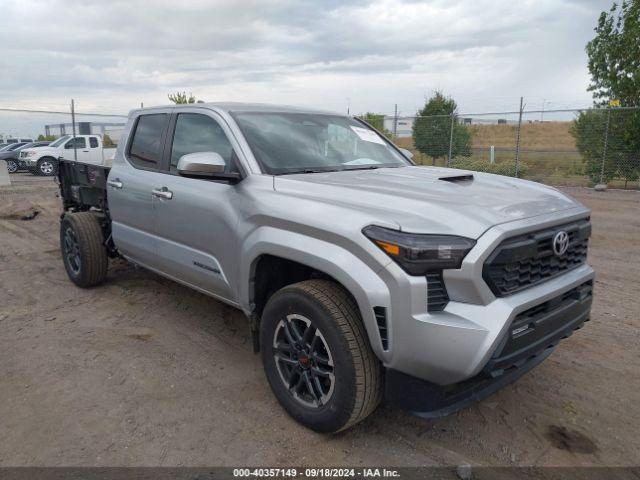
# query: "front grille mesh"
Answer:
x=521 y=262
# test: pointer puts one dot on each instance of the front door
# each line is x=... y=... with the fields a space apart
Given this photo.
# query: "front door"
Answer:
x=195 y=218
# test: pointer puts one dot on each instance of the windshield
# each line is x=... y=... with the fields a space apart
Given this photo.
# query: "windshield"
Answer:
x=60 y=141
x=305 y=142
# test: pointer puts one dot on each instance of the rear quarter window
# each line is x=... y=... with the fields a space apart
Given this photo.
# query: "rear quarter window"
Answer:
x=145 y=150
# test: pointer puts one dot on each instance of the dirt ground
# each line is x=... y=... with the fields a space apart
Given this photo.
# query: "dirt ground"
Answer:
x=142 y=371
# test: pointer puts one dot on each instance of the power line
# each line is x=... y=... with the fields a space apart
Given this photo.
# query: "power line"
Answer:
x=18 y=110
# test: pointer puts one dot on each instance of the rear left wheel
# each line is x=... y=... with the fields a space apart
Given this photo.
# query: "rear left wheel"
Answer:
x=82 y=247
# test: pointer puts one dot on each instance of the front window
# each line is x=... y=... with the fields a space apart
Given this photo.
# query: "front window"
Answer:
x=305 y=142
x=60 y=141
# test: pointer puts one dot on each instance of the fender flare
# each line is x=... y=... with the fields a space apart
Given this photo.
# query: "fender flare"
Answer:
x=359 y=279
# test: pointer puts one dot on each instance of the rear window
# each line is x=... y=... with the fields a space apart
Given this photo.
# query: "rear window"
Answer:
x=146 y=146
x=93 y=142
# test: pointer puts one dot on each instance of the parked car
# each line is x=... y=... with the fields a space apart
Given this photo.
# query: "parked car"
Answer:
x=12 y=155
x=9 y=151
x=44 y=160
x=363 y=276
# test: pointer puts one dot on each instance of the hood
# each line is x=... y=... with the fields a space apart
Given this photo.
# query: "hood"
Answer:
x=419 y=201
x=39 y=149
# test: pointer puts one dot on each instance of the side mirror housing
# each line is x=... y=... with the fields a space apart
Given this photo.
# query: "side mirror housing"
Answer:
x=205 y=165
x=407 y=153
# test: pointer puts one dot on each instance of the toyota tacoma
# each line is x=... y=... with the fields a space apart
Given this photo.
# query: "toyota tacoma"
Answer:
x=364 y=277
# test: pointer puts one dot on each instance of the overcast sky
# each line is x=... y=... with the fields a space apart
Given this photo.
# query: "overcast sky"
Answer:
x=110 y=55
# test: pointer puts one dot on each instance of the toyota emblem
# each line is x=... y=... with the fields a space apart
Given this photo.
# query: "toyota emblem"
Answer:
x=560 y=243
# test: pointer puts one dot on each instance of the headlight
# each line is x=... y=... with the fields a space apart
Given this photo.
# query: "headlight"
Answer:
x=418 y=254
x=30 y=154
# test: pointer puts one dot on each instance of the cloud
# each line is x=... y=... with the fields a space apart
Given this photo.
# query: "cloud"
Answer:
x=369 y=55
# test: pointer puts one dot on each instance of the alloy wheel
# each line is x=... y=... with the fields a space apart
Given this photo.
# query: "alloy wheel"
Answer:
x=72 y=250
x=304 y=361
x=46 y=167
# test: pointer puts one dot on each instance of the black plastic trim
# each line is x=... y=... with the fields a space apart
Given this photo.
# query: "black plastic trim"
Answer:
x=556 y=319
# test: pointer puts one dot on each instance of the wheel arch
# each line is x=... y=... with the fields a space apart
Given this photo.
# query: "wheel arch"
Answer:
x=303 y=257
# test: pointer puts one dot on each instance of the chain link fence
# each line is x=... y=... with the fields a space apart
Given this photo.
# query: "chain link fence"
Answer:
x=559 y=147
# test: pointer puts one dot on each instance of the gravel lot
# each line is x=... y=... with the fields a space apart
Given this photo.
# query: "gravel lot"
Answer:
x=142 y=371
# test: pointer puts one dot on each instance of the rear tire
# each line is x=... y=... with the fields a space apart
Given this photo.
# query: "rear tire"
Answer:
x=47 y=167
x=337 y=383
x=83 y=252
x=12 y=166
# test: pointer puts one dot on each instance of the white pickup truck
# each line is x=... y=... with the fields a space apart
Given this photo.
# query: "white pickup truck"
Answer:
x=81 y=148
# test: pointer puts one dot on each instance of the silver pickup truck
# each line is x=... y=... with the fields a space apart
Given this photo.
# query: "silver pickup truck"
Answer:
x=363 y=276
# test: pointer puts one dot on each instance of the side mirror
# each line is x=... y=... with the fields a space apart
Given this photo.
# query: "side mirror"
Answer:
x=407 y=153
x=205 y=165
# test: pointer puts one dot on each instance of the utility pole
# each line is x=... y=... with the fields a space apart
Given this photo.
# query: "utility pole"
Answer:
x=73 y=127
x=518 y=138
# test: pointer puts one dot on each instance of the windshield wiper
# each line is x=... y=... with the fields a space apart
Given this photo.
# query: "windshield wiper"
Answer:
x=372 y=166
x=310 y=170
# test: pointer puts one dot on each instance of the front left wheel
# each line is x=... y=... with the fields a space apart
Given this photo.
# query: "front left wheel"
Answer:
x=82 y=247
x=47 y=167
x=317 y=356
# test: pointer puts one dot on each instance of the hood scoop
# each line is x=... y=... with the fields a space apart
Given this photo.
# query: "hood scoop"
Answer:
x=467 y=177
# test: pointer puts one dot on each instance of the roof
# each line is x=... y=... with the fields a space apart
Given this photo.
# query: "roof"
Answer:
x=244 y=107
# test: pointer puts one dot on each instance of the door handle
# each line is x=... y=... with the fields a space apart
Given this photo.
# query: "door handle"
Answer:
x=163 y=192
x=115 y=183
x=85 y=151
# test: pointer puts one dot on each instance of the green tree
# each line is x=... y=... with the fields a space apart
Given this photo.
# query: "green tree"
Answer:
x=46 y=138
x=432 y=129
x=614 y=55
x=614 y=65
x=181 y=97
x=376 y=120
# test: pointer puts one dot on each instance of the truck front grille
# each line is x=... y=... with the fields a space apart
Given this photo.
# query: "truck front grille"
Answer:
x=527 y=260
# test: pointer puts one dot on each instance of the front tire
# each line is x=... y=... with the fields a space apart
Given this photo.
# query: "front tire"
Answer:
x=47 y=167
x=317 y=356
x=12 y=166
x=83 y=251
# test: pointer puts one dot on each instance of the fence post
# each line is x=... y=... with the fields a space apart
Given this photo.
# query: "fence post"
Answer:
x=518 y=139
x=451 y=139
x=606 y=144
x=73 y=127
x=395 y=121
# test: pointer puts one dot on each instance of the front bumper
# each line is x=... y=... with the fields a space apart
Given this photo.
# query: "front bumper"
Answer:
x=454 y=345
x=531 y=337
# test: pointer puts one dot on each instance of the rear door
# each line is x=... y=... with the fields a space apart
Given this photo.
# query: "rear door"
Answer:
x=131 y=180
x=196 y=220
x=94 y=154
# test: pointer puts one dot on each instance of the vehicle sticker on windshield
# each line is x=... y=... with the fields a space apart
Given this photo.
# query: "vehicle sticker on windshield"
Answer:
x=367 y=135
